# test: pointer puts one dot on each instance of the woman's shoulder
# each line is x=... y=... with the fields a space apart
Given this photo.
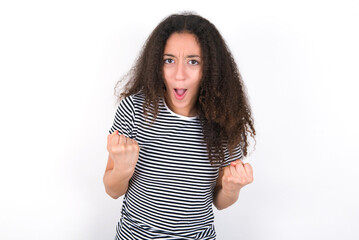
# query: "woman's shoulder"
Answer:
x=139 y=96
x=138 y=103
x=134 y=99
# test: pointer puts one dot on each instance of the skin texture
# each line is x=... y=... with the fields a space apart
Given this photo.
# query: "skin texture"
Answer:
x=182 y=69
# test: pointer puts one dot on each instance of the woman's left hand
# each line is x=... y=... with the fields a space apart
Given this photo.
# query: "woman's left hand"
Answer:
x=236 y=176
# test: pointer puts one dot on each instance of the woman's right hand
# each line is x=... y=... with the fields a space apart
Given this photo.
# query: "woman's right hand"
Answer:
x=123 y=151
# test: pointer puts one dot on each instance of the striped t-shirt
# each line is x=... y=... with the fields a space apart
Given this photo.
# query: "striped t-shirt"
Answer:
x=170 y=194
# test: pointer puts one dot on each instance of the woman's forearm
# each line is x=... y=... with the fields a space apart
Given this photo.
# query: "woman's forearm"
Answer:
x=223 y=200
x=116 y=182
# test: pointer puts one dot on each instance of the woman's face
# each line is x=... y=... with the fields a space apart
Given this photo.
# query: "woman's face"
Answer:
x=182 y=71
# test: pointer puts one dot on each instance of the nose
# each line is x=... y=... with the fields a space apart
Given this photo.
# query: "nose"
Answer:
x=180 y=71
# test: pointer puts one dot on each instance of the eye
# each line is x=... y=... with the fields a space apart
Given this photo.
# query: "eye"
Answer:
x=168 y=61
x=193 y=62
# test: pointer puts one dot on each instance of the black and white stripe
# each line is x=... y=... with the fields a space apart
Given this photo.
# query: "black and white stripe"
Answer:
x=171 y=192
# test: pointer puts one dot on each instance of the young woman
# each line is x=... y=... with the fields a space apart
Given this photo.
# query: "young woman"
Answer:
x=179 y=133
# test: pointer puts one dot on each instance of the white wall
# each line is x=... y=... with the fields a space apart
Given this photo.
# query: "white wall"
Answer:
x=59 y=62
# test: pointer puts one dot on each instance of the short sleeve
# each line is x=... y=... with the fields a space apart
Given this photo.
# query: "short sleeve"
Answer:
x=237 y=154
x=124 y=118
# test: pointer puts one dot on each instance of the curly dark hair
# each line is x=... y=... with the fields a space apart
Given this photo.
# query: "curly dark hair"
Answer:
x=222 y=104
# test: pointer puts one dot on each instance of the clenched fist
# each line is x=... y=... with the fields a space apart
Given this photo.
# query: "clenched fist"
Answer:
x=236 y=176
x=123 y=151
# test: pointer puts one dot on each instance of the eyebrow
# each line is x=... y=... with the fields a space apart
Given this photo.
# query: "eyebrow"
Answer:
x=188 y=56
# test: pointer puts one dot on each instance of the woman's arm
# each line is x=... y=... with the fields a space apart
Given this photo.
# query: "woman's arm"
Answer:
x=229 y=183
x=115 y=180
x=222 y=199
x=122 y=160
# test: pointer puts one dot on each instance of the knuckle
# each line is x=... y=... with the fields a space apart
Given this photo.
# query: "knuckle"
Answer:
x=118 y=148
x=131 y=148
x=232 y=179
x=122 y=148
x=137 y=147
x=113 y=148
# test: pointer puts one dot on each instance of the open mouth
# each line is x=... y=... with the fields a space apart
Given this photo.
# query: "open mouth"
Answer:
x=180 y=93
